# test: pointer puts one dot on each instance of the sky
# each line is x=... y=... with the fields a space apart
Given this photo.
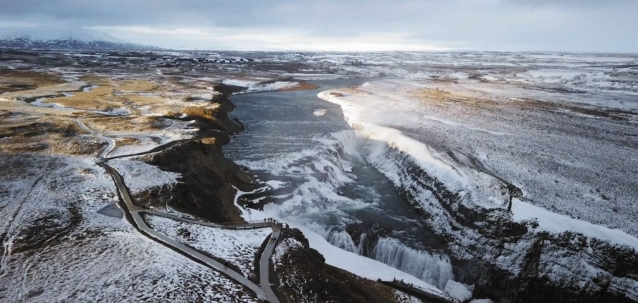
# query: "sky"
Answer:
x=343 y=25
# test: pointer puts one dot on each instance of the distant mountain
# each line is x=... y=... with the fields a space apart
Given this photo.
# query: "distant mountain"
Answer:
x=62 y=38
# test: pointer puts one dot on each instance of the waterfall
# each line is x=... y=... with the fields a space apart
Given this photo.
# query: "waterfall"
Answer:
x=363 y=239
x=337 y=238
x=432 y=268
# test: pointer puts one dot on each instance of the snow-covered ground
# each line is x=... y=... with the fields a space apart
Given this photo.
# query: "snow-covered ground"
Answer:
x=577 y=166
x=235 y=246
x=257 y=85
x=59 y=249
x=140 y=176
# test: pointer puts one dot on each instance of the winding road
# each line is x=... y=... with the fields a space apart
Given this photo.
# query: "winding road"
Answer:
x=133 y=214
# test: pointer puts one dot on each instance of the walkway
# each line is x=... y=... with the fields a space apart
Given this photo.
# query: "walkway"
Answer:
x=132 y=211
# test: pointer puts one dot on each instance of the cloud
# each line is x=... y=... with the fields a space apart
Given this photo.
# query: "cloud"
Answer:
x=577 y=25
x=267 y=39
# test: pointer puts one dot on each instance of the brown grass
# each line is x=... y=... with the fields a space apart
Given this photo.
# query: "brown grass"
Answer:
x=207 y=112
x=42 y=134
x=123 y=124
x=12 y=80
x=139 y=100
x=136 y=85
x=95 y=80
x=127 y=141
x=301 y=86
x=441 y=98
x=96 y=99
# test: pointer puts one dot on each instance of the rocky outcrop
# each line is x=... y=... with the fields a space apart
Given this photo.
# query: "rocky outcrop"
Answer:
x=301 y=275
x=512 y=262
x=206 y=189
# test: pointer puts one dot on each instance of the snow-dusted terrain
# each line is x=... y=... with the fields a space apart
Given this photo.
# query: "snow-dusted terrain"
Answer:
x=509 y=176
x=235 y=246
x=60 y=249
x=544 y=151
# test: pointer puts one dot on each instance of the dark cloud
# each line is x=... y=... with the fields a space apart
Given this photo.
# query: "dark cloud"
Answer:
x=585 y=25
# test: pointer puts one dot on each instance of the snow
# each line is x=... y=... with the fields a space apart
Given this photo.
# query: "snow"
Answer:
x=282 y=248
x=481 y=301
x=59 y=249
x=235 y=246
x=458 y=291
x=46 y=33
x=466 y=144
x=257 y=85
x=360 y=109
x=240 y=82
x=359 y=265
x=405 y=298
x=320 y=112
x=557 y=223
x=140 y=176
x=118 y=266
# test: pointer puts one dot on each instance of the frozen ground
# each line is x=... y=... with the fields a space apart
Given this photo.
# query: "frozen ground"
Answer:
x=57 y=248
x=140 y=176
x=575 y=164
x=561 y=127
x=235 y=246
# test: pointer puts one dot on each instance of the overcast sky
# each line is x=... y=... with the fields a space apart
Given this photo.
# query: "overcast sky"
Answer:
x=342 y=25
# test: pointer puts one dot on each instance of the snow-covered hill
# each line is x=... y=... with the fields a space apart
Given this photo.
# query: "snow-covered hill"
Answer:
x=55 y=37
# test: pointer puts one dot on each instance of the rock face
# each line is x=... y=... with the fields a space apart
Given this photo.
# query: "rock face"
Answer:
x=510 y=261
x=206 y=189
x=303 y=276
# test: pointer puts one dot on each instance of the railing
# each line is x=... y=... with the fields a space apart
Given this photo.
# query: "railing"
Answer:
x=251 y=224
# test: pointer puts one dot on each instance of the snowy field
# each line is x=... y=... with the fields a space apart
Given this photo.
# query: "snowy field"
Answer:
x=59 y=249
x=140 y=176
x=574 y=165
x=235 y=246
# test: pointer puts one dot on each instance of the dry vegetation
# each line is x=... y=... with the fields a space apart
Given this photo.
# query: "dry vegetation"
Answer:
x=21 y=132
x=99 y=98
x=14 y=80
x=301 y=86
x=28 y=128
x=129 y=124
x=441 y=98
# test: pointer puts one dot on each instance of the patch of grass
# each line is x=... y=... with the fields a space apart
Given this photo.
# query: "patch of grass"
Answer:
x=14 y=80
x=301 y=86
x=124 y=124
x=95 y=80
x=99 y=98
x=136 y=85
x=441 y=98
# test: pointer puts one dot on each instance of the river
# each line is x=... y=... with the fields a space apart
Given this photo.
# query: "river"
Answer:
x=301 y=147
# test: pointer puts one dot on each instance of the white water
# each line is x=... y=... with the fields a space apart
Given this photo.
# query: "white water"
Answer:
x=337 y=238
x=432 y=268
x=324 y=170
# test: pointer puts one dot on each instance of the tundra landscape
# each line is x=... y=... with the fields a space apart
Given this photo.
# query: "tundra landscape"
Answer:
x=460 y=151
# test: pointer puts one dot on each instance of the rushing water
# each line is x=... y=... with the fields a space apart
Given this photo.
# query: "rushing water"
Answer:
x=301 y=147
